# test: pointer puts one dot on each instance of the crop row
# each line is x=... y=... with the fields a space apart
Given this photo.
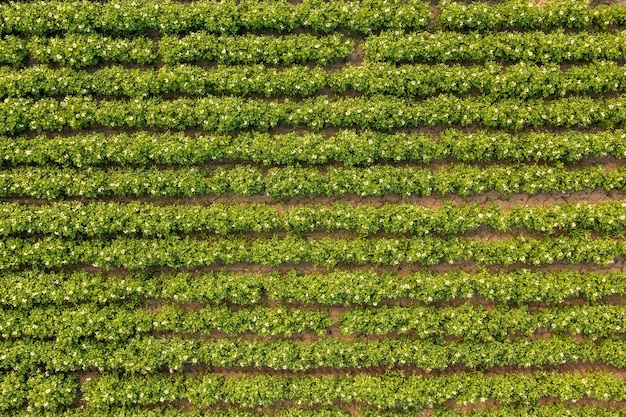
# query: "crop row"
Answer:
x=119 y=322
x=392 y=390
x=469 y=321
x=173 y=251
x=398 y=46
x=78 y=50
x=522 y=80
x=558 y=46
x=361 y=17
x=74 y=219
x=37 y=391
x=463 y=180
x=127 y=17
x=345 y=146
x=81 y=51
x=550 y=410
x=526 y=15
x=147 y=354
x=111 y=323
x=225 y=114
x=542 y=47
x=388 y=391
x=28 y=289
x=252 y=49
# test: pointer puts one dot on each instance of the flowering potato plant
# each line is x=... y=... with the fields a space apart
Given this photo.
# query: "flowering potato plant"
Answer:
x=99 y=219
x=172 y=251
x=129 y=17
x=391 y=390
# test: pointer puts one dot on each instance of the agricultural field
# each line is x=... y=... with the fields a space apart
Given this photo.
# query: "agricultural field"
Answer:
x=312 y=208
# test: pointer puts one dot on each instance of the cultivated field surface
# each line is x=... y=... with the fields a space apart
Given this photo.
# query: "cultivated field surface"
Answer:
x=312 y=208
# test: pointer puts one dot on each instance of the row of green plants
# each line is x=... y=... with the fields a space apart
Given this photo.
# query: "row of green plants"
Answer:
x=370 y=288
x=475 y=322
x=549 y=410
x=173 y=251
x=527 y=15
x=29 y=289
x=148 y=354
x=36 y=391
x=74 y=219
x=520 y=80
x=254 y=49
x=361 y=17
x=464 y=180
x=557 y=46
x=79 y=51
x=87 y=50
x=392 y=390
x=13 y=51
x=225 y=114
x=118 y=322
x=127 y=17
x=346 y=147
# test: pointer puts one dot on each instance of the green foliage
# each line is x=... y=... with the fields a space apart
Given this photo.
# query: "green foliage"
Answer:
x=13 y=391
x=351 y=148
x=369 y=288
x=551 y=410
x=172 y=251
x=101 y=219
x=41 y=391
x=478 y=323
x=27 y=289
x=117 y=323
x=520 y=80
x=254 y=49
x=460 y=179
x=143 y=334
x=388 y=391
x=552 y=47
x=148 y=354
x=225 y=114
x=13 y=51
x=128 y=17
x=51 y=392
x=79 y=51
x=527 y=15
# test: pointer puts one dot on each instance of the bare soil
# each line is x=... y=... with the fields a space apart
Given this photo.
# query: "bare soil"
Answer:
x=433 y=202
x=403 y=269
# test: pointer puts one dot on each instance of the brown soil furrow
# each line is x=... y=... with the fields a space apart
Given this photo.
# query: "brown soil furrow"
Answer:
x=336 y=66
x=335 y=310
x=606 y=163
x=328 y=131
x=485 y=199
x=432 y=131
x=482 y=233
x=403 y=269
x=334 y=332
x=585 y=402
x=356 y=58
x=575 y=368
